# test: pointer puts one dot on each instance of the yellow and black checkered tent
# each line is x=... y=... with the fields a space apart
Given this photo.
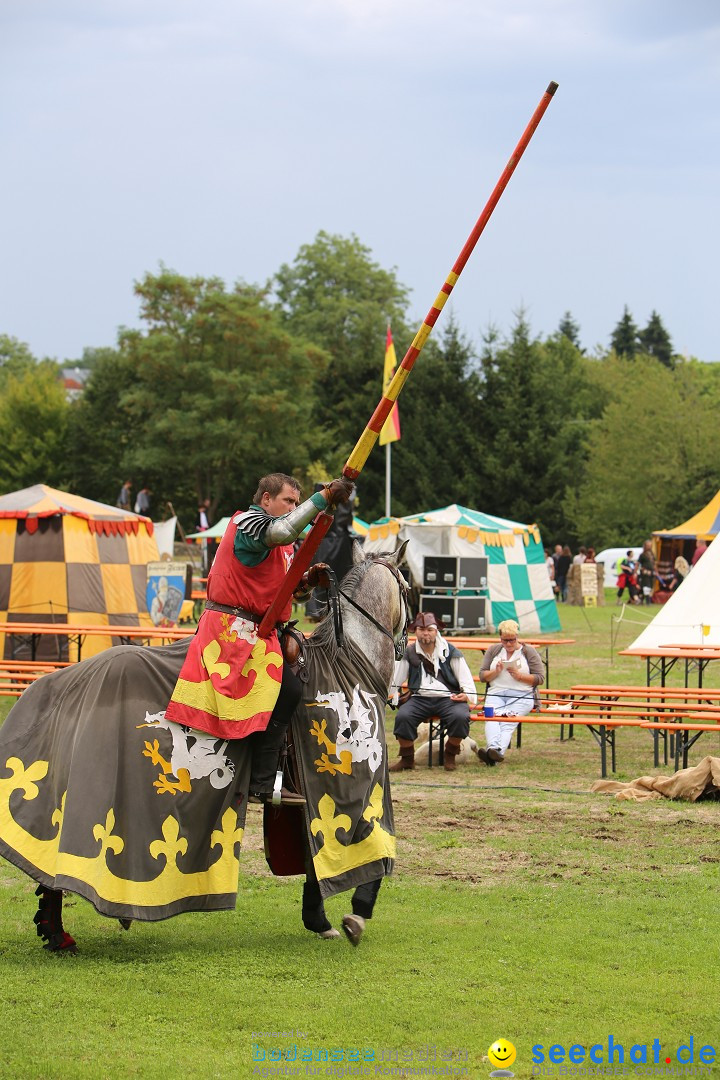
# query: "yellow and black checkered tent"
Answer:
x=68 y=559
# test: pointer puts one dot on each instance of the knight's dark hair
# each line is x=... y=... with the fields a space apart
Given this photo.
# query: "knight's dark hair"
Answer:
x=273 y=483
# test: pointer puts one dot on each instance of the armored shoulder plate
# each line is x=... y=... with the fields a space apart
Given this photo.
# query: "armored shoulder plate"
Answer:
x=252 y=522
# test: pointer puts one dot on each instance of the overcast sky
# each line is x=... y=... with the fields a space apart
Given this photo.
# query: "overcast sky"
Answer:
x=217 y=136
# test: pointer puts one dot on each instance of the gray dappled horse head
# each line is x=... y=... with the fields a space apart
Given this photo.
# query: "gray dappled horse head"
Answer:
x=375 y=585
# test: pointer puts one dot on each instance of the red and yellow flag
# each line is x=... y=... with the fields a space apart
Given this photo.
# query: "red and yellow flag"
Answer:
x=391 y=428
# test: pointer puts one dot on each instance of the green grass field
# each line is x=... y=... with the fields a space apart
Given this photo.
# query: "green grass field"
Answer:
x=523 y=907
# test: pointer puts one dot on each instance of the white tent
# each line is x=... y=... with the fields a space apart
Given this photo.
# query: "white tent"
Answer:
x=165 y=536
x=692 y=614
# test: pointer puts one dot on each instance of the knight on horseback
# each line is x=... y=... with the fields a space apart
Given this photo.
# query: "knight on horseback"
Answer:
x=256 y=693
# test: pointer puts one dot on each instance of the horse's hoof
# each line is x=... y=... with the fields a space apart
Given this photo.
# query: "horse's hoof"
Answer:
x=62 y=943
x=329 y=935
x=48 y=920
x=353 y=925
x=125 y=923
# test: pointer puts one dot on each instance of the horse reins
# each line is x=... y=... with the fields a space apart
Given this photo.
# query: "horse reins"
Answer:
x=335 y=592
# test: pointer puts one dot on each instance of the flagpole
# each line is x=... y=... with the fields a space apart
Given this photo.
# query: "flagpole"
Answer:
x=361 y=451
x=387 y=480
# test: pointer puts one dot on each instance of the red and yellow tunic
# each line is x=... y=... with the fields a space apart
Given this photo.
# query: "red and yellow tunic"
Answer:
x=230 y=680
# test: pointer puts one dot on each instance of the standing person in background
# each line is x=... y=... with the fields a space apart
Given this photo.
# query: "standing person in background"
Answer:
x=550 y=566
x=700 y=549
x=646 y=571
x=562 y=567
x=123 y=499
x=557 y=552
x=580 y=557
x=142 y=502
x=202 y=523
x=627 y=579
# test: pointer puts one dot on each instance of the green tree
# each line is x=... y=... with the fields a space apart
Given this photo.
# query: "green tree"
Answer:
x=652 y=455
x=15 y=357
x=655 y=341
x=336 y=296
x=211 y=393
x=102 y=432
x=570 y=329
x=218 y=391
x=34 y=420
x=537 y=400
x=624 y=338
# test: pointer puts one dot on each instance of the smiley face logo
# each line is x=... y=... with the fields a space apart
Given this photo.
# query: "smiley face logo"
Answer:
x=501 y=1054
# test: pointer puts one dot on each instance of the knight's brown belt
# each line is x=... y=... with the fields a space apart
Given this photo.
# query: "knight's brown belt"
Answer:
x=238 y=612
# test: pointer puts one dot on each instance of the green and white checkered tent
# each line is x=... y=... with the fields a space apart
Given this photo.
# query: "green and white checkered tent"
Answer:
x=518 y=583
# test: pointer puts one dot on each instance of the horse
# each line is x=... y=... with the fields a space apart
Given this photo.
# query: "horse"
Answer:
x=102 y=797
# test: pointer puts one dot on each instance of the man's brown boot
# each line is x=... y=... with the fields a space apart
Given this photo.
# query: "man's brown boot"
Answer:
x=452 y=749
x=407 y=756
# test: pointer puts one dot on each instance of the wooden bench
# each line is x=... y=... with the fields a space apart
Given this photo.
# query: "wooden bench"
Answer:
x=16 y=675
x=656 y=703
x=603 y=718
x=601 y=727
x=32 y=633
x=683 y=740
x=649 y=693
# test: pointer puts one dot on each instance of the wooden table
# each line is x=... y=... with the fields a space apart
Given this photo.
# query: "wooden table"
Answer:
x=659 y=662
x=687 y=645
x=33 y=632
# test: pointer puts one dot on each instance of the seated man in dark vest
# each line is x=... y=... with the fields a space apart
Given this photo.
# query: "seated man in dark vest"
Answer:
x=440 y=684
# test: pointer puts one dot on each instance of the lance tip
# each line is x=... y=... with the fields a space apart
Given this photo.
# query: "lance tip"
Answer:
x=552 y=87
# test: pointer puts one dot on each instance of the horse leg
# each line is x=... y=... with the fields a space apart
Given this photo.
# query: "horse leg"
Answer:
x=313 y=908
x=363 y=902
x=48 y=920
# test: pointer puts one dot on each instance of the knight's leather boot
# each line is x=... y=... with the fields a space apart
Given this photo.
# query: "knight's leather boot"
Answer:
x=452 y=749
x=407 y=756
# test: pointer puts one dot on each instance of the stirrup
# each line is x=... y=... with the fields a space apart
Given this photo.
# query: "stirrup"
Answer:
x=287 y=798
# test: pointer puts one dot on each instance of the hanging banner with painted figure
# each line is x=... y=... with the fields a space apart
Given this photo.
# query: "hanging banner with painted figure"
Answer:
x=168 y=585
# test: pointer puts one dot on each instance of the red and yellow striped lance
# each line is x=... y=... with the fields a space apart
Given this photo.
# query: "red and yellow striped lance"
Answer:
x=361 y=451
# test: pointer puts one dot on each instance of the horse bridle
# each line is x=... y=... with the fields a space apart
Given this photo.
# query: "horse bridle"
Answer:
x=335 y=592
